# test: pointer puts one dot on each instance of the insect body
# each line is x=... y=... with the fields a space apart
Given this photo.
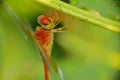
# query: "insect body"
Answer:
x=44 y=35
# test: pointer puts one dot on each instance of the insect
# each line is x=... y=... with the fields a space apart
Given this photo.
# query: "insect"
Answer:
x=44 y=35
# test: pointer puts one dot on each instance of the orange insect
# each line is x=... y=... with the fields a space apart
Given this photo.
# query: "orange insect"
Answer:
x=44 y=35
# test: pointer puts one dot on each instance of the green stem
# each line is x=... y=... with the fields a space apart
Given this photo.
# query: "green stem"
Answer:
x=82 y=14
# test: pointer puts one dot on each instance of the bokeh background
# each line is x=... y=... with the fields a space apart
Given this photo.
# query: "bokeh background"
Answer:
x=87 y=52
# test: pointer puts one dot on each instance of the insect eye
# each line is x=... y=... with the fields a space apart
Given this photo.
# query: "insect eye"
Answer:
x=44 y=19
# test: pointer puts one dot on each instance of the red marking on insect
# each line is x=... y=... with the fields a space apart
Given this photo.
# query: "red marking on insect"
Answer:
x=44 y=19
x=42 y=35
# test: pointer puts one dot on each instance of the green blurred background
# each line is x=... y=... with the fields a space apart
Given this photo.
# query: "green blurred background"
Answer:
x=85 y=53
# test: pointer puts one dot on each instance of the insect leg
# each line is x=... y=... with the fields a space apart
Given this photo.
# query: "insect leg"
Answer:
x=60 y=17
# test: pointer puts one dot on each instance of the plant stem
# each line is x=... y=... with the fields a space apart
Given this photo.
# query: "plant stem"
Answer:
x=82 y=14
